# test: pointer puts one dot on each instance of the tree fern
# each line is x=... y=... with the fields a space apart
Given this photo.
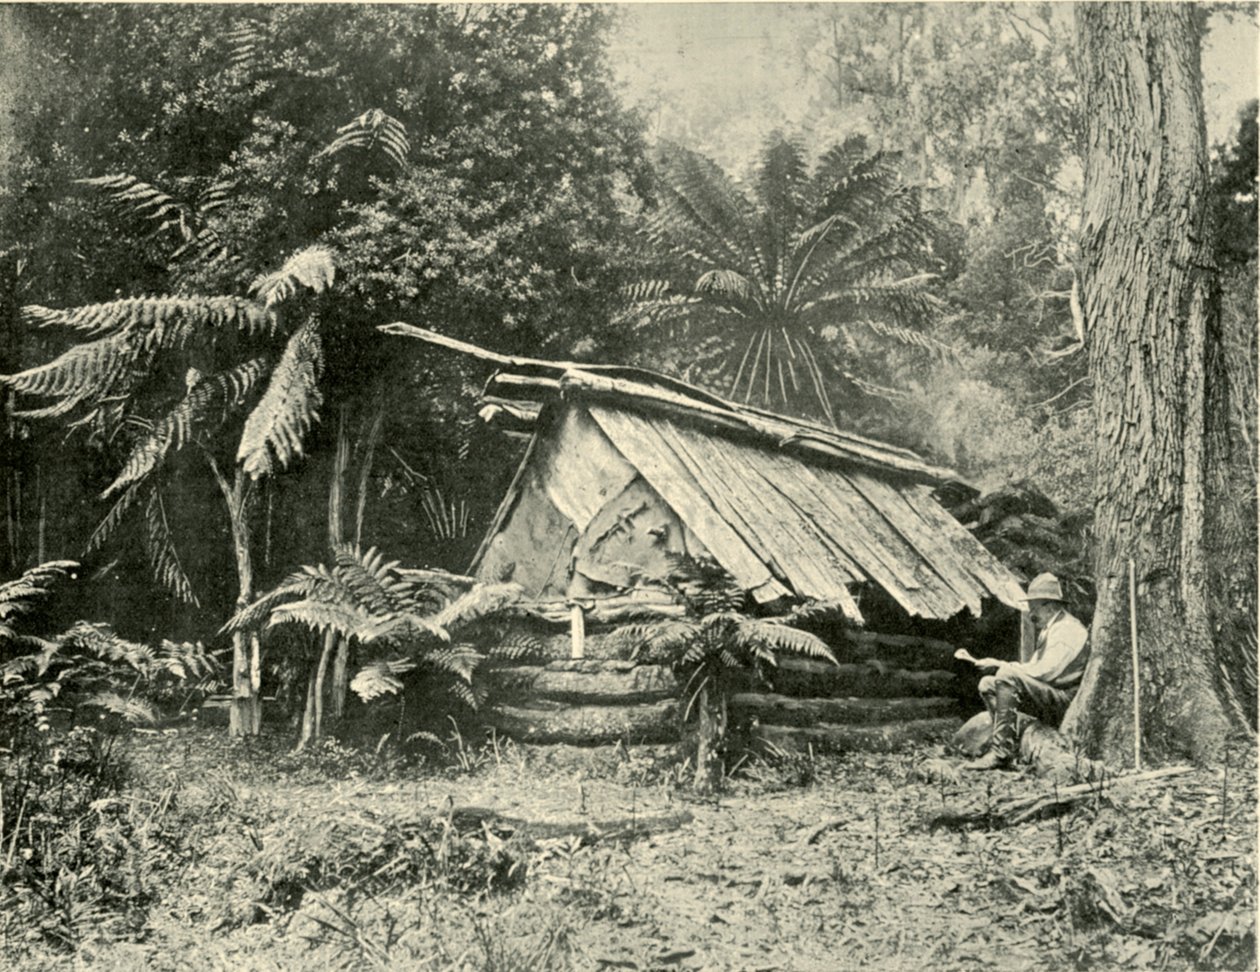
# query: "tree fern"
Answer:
x=276 y=427
x=773 y=268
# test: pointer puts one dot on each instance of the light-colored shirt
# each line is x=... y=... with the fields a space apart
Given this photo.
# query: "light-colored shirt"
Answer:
x=1061 y=652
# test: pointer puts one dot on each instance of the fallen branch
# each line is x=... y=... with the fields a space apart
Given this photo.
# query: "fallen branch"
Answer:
x=1017 y=810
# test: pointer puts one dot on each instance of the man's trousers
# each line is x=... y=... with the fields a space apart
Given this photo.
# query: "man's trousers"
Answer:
x=1010 y=692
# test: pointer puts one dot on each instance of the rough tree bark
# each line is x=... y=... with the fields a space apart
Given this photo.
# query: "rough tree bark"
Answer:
x=710 y=735
x=1152 y=329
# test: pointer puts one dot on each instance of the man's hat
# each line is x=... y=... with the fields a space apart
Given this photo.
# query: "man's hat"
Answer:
x=1044 y=587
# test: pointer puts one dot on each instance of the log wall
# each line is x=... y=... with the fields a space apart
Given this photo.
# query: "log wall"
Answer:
x=887 y=691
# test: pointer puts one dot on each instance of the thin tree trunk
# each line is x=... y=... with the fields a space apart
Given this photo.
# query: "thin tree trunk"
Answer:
x=41 y=533
x=245 y=715
x=336 y=537
x=1152 y=326
x=308 y=715
x=710 y=737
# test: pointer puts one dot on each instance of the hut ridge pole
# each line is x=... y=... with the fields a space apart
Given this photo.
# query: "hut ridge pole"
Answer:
x=1137 y=697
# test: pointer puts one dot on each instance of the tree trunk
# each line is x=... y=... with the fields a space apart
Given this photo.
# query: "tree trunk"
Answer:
x=710 y=736
x=336 y=537
x=245 y=716
x=1152 y=328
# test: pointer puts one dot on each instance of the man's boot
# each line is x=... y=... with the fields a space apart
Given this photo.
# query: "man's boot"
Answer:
x=1003 y=739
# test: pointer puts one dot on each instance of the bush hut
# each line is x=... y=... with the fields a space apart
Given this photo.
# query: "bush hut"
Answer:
x=625 y=468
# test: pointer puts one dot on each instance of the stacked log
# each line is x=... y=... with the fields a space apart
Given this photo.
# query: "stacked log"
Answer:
x=886 y=692
x=584 y=702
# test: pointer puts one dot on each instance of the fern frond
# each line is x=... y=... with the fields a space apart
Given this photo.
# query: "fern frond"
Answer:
x=312 y=268
x=165 y=321
x=275 y=428
x=17 y=595
x=380 y=678
x=483 y=600
x=373 y=129
x=133 y=711
x=401 y=628
x=163 y=557
x=657 y=640
x=346 y=619
x=105 y=529
x=375 y=583
x=725 y=283
x=753 y=634
x=459 y=660
x=85 y=372
x=140 y=200
x=244 y=42
x=206 y=405
x=185 y=660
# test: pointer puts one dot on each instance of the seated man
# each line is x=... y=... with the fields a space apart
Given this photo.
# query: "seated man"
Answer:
x=1040 y=686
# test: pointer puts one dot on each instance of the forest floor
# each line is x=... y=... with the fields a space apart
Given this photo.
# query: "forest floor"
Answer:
x=601 y=859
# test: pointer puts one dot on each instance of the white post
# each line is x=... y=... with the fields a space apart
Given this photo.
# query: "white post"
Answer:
x=577 y=631
x=1137 y=696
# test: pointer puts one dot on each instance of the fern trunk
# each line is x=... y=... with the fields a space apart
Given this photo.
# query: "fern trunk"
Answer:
x=245 y=716
x=710 y=736
x=336 y=537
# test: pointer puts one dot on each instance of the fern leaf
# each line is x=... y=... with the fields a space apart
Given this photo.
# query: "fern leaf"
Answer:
x=86 y=371
x=751 y=633
x=17 y=596
x=133 y=711
x=380 y=678
x=373 y=129
x=319 y=616
x=374 y=582
x=105 y=529
x=483 y=600
x=725 y=283
x=163 y=557
x=206 y=405
x=312 y=268
x=275 y=429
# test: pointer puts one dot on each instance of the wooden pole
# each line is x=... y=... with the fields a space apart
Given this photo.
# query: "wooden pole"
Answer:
x=577 y=631
x=1137 y=697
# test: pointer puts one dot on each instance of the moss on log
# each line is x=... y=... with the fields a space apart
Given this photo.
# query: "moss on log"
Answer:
x=855 y=738
x=587 y=725
x=780 y=710
x=896 y=651
x=806 y=677
x=598 y=683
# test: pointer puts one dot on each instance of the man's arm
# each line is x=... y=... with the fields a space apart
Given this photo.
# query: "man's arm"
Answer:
x=962 y=654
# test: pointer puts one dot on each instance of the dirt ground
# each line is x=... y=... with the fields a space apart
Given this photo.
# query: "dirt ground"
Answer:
x=624 y=870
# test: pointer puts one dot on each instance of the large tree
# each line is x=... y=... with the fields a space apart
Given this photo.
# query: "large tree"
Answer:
x=1153 y=338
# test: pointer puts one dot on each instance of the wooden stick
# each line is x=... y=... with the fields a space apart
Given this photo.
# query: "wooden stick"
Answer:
x=1017 y=811
x=1137 y=698
x=577 y=631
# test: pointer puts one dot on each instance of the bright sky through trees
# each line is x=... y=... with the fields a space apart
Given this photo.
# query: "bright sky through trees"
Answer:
x=684 y=62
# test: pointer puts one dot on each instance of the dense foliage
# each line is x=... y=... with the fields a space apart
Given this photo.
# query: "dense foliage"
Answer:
x=464 y=167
